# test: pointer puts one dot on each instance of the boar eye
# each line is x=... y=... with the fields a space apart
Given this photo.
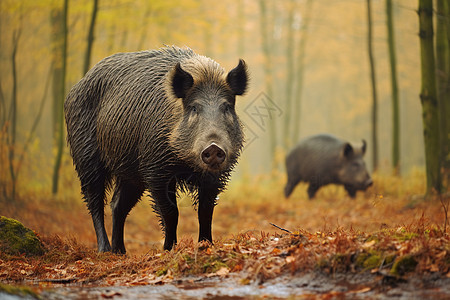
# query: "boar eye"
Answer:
x=227 y=108
x=194 y=109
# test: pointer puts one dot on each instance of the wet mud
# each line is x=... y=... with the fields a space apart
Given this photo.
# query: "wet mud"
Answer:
x=297 y=286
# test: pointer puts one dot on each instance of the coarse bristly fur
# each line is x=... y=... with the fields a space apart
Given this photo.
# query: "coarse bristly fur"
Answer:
x=142 y=120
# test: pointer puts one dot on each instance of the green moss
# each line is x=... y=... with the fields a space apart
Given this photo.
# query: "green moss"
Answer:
x=189 y=260
x=161 y=272
x=406 y=236
x=372 y=262
x=16 y=239
x=404 y=265
x=389 y=259
x=213 y=264
x=18 y=291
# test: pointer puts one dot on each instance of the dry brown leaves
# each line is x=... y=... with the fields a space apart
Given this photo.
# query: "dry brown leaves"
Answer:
x=255 y=256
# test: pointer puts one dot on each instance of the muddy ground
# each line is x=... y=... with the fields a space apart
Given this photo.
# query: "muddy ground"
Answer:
x=298 y=286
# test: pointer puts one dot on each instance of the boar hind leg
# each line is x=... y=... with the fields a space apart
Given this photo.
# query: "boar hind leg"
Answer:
x=206 y=203
x=290 y=185
x=166 y=206
x=124 y=199
x=94 y=193
x=312 y=189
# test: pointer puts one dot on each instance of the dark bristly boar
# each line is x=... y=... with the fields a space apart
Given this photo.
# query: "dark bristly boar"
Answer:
x=154 y=121
x=324 y=159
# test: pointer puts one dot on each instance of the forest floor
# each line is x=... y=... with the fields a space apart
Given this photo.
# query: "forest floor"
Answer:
x=389 y=242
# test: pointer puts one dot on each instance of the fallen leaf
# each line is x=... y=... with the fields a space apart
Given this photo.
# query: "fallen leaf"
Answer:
x=290 y=259
x=275 y=251
x=441 y=254
x=362 y=290
x=221 y=272
x=434 y=268
x=368 y=244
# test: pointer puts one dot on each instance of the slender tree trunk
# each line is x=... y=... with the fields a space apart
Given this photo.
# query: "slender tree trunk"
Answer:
x=268 y=70
x=374 y=88
x=300 y=71
x=90 y=38
x=289 y=74
x=428 y=96
x=443 y=82
x=394 y=86
x=60 y=112
x=13 y=117
x=57 y=37
x=2 y=97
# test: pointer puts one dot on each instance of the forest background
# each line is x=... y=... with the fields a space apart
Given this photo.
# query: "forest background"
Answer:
x=309 y=65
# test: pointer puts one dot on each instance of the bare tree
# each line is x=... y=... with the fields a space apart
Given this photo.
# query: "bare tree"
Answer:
x=443 y=82
x=57 y=38
x=300 y=70
x=428 y=96
x=267 y=42
x=90 y=38
x=374 y=87
x=289 y=73
x=60 y=104
x=13 y=116
x=394 y=86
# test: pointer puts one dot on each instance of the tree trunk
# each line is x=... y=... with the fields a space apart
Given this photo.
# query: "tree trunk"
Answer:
x=57 y=37
x=13 y=118
x=268 y=71
x=394 y=86
x=90 y=38
x=60 y=104
x=300 y=71
x=289 y=75
x=428 y=96
x=443 y=82
x=374 y=89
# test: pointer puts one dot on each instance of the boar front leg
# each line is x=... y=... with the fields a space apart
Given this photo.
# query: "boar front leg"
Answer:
x=206 y=203
x=351 y=191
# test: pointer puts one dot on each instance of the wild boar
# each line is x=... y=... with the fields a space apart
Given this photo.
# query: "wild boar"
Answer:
x=324 y=159
x=154 y=121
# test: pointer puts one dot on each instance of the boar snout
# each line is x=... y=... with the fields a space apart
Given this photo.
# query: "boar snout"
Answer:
x=213 y=156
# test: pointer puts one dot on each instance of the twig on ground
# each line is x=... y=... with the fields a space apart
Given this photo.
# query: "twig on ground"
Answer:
x=280 y=228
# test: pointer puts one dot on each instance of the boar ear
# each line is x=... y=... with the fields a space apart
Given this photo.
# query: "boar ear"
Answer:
x=181 y=81
x=364 y=147
x=348 y=150
x=238 y=77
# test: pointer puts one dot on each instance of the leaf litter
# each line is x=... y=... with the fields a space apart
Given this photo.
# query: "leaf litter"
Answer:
x=325 y=259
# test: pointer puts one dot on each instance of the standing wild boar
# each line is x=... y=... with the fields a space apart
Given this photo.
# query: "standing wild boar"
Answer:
x=324 y=159
x=154 y=121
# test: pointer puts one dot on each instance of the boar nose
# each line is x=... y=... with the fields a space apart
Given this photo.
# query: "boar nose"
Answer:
x=369 y=182
x=213 y=155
